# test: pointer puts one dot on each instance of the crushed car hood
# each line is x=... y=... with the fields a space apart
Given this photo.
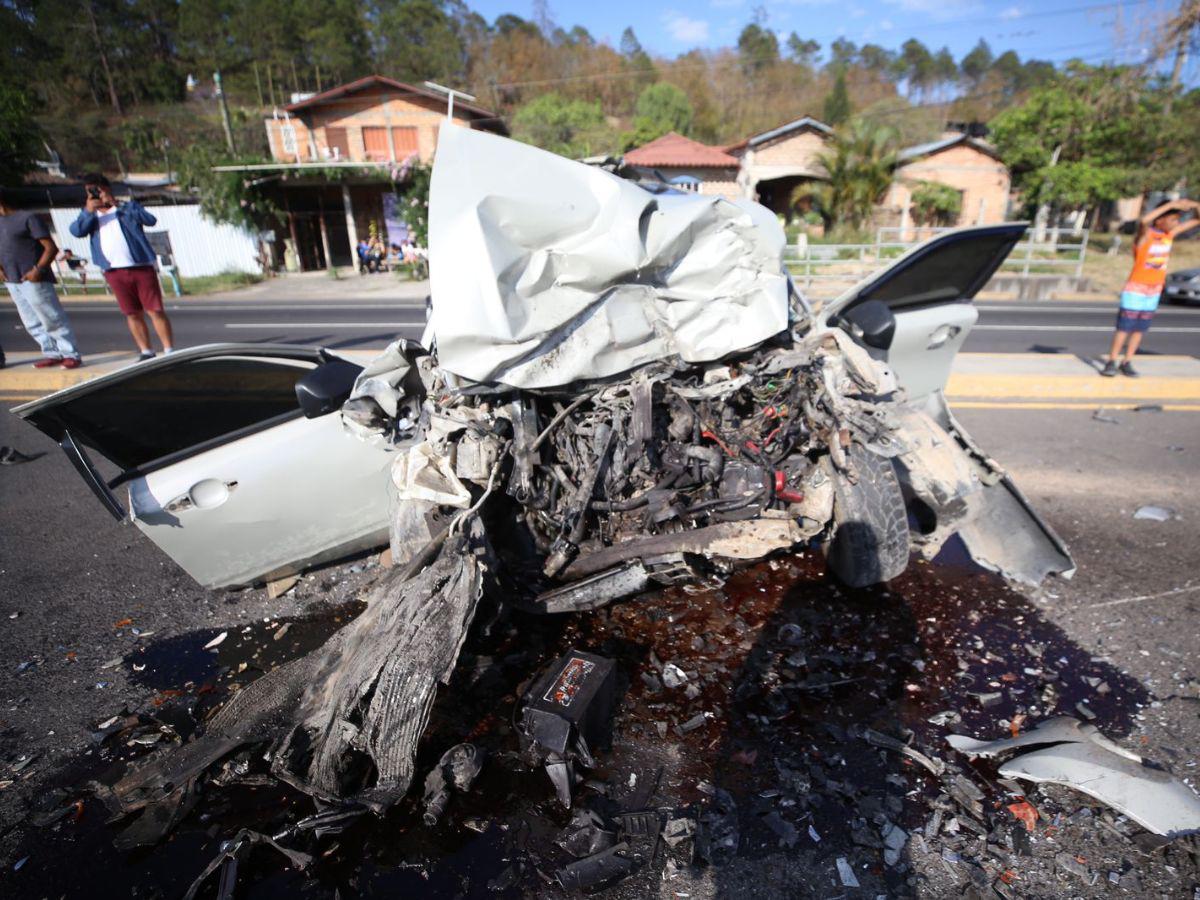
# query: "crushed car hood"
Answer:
x=545 y=271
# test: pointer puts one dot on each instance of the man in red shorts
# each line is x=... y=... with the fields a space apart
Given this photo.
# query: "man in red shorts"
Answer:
x=124 y=255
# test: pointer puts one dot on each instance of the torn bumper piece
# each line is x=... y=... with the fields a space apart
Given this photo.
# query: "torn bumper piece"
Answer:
x=1076 y=755
x=1152 y=798
x=566 y=716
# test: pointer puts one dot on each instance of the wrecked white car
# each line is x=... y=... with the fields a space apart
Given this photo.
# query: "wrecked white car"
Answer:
x=621 y=389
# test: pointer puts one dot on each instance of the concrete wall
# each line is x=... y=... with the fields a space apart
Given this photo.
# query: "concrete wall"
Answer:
x=983 y=181
x=378 y=107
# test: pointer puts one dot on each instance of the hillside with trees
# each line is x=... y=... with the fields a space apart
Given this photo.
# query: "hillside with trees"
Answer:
x=126 y=85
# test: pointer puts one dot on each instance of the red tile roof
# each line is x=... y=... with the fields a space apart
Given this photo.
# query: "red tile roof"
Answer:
x=676 y=151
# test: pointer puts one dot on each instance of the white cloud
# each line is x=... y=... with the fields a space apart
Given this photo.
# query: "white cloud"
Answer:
x=886 y=25
x=1013 y=12
x=684 y=29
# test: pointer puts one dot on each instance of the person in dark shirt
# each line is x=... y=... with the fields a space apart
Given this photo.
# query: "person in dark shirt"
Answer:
x=26 y=252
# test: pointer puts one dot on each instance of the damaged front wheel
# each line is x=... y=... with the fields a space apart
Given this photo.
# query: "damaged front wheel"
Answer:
x=870 y=541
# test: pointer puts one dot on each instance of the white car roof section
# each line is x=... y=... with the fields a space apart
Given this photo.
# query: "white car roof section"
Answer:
x=545 y=271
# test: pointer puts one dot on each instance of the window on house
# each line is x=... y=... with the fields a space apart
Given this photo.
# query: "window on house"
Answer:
x=337 y=142
x=375 y=143
x=404 y=139
x=287 y=135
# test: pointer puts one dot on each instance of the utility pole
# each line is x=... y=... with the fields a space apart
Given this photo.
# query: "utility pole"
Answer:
x=224 y=113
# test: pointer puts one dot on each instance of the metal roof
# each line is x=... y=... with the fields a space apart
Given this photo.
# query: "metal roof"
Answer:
x=918 y=150
x=794 y=125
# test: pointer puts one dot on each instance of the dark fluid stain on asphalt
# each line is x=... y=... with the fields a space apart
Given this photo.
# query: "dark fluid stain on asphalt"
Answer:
x=785 y=668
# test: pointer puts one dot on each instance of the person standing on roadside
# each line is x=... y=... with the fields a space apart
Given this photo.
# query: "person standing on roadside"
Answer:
x=1139 y=298
x=26 y=251
x=124 y=255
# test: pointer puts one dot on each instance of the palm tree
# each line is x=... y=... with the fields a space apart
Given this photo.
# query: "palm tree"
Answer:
x=859 y=172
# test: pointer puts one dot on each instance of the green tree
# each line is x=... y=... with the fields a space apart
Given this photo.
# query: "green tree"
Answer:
x=758 y=48
x=859 y=171
x=803 y=52
x=661 y=108
x=843 y=53
x=418 y=40
x=876 y=59
x=19 y=133
x=977 y=63
x=916 y=66
x=636 y=58
x=1107 y=128
x=571 y=128
x=935 y=204
x=945 y=69
x=836 y=108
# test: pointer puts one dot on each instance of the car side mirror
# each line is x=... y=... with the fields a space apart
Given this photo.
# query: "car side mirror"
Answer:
x=327 y=387
x=872 y=323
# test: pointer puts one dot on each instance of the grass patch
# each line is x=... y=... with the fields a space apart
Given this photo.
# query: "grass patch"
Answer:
x=211 y=284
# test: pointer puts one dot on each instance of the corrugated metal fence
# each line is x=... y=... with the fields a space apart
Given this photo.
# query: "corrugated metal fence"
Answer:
x=201 y=246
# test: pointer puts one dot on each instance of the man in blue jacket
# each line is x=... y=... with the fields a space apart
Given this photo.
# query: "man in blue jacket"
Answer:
x=124 y=255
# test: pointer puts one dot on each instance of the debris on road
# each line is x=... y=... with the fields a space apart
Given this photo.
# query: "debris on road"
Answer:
x=1155 y=513
x=11 y=456
x=566 y=714
x=217 y=641
x=458 y=768
x=1077 y=755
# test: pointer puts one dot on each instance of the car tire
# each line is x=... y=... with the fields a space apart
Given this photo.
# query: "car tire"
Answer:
x=870 y=542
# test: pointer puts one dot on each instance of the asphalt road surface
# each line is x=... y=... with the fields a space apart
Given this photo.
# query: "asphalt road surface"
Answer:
x=73 y=582
x=1004 y=327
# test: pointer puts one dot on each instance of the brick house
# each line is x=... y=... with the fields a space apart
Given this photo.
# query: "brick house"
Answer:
x=969 y=165
x=372 y=127
x=687 y=164
x=772 y=165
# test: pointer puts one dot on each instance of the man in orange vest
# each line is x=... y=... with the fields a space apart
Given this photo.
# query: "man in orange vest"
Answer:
x=1139 y=298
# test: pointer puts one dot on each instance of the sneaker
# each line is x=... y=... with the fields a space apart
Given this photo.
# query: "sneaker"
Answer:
x=1110 y=369
x=167 y=351
x=145 y=354
x=47 y=361
x=1128 y=370
x=72 y=362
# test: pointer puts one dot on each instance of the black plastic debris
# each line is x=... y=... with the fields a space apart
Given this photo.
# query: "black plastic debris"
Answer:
x=600 y=868
x=458 y=768
x=718 y=834
x=11 y=456
x=566 y=715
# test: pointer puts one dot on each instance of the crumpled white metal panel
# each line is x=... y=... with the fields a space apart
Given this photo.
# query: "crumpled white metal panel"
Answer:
x=545 y=271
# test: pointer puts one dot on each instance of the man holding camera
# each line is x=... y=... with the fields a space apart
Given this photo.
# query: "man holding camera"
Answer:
x=124 y=255
x=26 y=251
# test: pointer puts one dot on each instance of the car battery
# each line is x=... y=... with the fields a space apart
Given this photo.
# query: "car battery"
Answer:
x=566 y=715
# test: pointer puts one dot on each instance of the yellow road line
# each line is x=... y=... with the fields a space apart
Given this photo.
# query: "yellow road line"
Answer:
x=1072 y=387
x=1086 y=406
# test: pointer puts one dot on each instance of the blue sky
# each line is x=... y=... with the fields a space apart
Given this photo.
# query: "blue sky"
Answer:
x=1055 y=30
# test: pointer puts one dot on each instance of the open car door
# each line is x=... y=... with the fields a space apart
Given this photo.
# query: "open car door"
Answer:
x=915 y=316
x=224 y=471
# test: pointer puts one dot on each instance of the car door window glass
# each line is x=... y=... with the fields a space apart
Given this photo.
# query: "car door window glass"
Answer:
x=168 y=410
x=944 y=273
